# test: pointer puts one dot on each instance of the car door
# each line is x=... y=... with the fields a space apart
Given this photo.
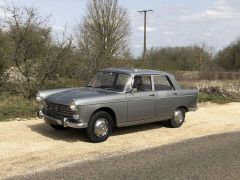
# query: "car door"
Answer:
x=141 y=104
x=166 y=98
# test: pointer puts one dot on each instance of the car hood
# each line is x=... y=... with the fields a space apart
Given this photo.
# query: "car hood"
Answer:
x=65 y=97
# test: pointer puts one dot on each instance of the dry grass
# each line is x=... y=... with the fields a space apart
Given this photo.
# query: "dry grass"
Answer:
x=206 y=75
x=16 y=106
x=215 y=91
x=224 y=87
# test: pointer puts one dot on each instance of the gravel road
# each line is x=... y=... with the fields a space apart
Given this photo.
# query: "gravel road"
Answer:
x=32 y=146
x=211 y=157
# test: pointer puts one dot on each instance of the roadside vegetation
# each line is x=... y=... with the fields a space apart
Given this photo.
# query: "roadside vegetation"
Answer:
x=33 y=58
x=216 y=91
x=14 y=107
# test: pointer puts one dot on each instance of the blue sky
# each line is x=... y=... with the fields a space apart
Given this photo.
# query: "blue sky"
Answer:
x=173 y=22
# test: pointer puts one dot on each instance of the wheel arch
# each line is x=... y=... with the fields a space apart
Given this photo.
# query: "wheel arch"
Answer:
x=183 y=107
x=110 y=112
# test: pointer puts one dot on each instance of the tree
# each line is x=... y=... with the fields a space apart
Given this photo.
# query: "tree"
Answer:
x=229 y=57
x=103 y=34
x=3 y=50
x=33 y=51
x=179 y=58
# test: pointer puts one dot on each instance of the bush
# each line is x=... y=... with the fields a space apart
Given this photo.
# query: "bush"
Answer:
x=215 y=91
x=63 y=83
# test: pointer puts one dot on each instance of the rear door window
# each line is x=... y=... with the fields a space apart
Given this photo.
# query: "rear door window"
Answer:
x=162 y=83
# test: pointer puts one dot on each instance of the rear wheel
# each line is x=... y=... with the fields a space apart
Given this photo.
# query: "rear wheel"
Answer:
x=178 y=118
x=99 y=127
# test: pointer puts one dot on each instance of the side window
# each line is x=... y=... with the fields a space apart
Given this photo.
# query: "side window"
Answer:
x=161 y=83
x=142 y=83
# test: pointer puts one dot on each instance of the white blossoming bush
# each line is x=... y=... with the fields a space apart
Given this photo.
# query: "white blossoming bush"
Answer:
x=219 y=88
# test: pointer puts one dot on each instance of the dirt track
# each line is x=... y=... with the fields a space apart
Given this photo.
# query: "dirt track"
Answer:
x=27 y=146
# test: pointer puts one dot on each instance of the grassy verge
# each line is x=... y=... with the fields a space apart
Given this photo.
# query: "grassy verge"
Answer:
x=15 y=106
x=204 y=97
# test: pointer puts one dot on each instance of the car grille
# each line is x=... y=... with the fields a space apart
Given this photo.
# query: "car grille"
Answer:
x=54 y=109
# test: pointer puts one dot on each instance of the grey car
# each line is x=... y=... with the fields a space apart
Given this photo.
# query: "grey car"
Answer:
x=117 y=97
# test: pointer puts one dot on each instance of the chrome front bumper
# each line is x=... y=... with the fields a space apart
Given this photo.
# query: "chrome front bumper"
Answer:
x=63 y=122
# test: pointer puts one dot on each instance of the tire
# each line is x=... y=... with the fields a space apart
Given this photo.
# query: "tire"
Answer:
x=99 y=127
x=178 y=118
x=57 y=127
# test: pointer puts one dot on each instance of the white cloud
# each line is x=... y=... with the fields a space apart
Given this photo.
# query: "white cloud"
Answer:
x=222 y=9
x=168 y=33
x=148 y=29
x=168 y=40
x=207 y=34
x=183 y=24
x=2 y=3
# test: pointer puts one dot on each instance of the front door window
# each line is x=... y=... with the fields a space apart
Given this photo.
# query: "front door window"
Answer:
x=142 y=83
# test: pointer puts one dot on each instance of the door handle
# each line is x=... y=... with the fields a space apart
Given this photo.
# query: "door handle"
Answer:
x=175 y=93
x=152 y=95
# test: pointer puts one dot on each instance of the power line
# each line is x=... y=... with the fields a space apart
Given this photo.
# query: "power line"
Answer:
x=145 y=33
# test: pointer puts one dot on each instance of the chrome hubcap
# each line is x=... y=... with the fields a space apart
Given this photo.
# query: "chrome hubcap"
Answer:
x=178 y=116
x=101 y=127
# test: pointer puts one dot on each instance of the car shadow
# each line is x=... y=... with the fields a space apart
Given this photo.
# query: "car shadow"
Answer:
x=137 y=128
x=68 y=135
x=74 y=135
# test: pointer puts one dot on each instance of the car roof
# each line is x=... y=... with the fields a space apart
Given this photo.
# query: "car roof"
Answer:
x=136 y=71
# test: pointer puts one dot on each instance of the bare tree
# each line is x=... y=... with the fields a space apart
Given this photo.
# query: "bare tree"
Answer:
x=103 y=34
x=3 y=50
x=229 y=57
x=188 y=58
x=33 y=52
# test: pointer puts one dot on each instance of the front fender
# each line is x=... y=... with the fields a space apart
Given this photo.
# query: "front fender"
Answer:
x=119 y=108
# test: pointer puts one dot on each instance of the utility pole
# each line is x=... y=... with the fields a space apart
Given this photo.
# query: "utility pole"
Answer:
x=145 y=34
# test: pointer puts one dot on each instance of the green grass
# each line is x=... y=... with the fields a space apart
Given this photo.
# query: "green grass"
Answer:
x=15 y=106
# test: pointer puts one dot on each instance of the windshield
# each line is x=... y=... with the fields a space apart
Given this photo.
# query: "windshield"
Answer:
x=111 y=81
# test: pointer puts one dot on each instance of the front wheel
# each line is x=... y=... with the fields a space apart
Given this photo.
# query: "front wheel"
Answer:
x=178 y=118
x=99 y=127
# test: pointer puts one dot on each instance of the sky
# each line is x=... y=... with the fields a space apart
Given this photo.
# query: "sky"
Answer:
x=173 y=22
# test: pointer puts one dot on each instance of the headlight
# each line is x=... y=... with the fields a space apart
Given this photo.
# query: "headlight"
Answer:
x=39 y=98
x=73 y=106
x=42 y=105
